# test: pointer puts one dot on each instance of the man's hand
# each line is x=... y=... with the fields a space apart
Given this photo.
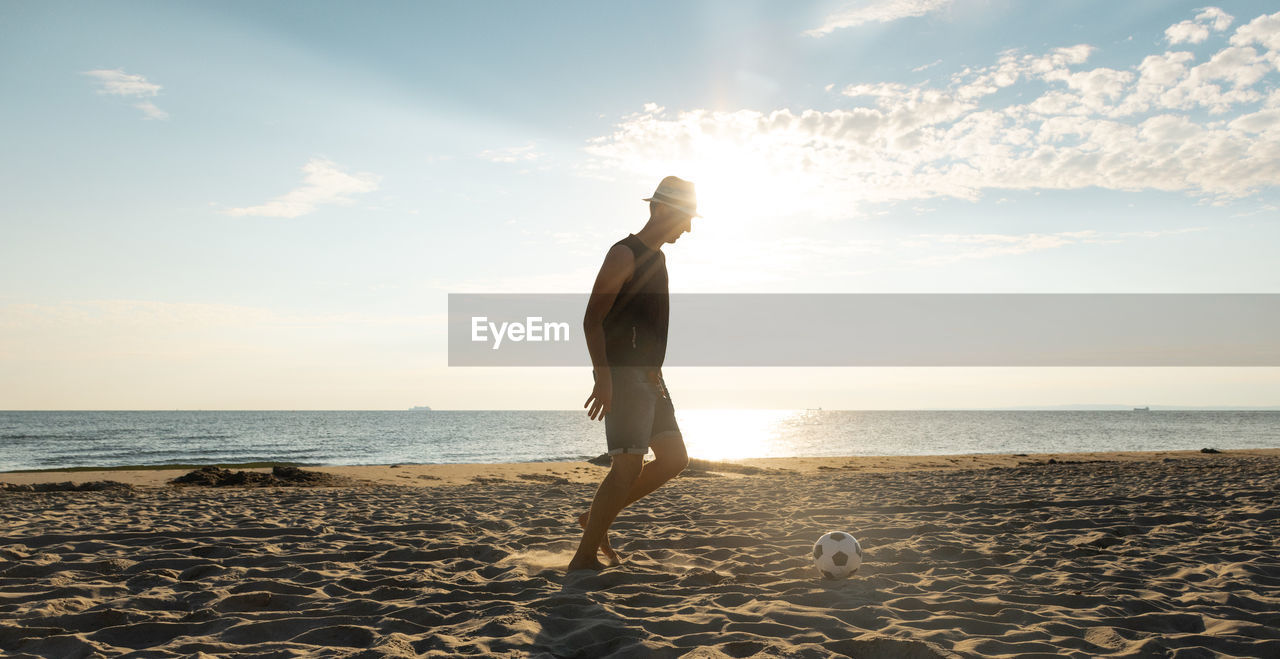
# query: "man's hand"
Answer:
x=601 y=398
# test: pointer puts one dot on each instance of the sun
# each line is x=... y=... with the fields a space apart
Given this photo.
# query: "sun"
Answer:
x=743 y=183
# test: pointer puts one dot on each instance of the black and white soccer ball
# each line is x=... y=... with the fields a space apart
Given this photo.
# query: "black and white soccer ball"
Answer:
x=837 y=555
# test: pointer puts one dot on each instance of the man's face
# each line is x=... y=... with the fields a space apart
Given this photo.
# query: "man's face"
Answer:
x=679 y=223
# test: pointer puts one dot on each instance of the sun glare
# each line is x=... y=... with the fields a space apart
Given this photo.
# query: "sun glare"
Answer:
x=744 y=197
x=748 y=167
x=739 y=182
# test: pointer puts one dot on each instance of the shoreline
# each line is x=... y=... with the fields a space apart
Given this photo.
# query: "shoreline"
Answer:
x=429 y=475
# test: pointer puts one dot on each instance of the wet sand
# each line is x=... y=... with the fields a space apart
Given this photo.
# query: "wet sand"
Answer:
x=1136 y=554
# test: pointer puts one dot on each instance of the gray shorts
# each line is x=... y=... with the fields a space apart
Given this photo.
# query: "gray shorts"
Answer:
x=640 y=412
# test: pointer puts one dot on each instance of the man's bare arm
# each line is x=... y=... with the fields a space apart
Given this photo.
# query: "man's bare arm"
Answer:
x=619 y=265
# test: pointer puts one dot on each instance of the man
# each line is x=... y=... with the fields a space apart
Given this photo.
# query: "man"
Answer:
x=626 y=331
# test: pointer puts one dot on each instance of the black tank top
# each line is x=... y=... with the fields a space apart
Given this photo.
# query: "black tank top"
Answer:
x=635 y=329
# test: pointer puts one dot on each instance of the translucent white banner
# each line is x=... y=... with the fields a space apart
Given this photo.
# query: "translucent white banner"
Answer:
x=891 y=330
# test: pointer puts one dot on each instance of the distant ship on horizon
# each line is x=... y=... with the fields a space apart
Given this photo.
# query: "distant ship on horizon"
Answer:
x=419 y=408
x=1142 y=409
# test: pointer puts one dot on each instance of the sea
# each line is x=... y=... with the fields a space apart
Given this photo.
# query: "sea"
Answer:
x=53 y=440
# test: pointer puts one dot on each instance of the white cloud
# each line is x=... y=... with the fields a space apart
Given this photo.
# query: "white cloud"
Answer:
x=1142 y=127
x=1218 y=19
x=930 y=65
x=323 y=183
x=1186 y=32
x=151 y=111
x=1241 y=66
x=1262 y=121
x=1156 y=75
x=1196 y=31
x=115 y=82
x=1013 y=67
x=513 y=154
x=877 y=11
x=1265 y=31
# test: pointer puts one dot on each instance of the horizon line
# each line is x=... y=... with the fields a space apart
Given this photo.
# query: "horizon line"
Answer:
x=1082 y=407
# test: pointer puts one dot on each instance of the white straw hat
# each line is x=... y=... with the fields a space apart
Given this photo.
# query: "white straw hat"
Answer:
x=678 y=194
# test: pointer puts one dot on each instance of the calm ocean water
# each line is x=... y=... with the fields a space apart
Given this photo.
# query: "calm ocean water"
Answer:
x=36 y=440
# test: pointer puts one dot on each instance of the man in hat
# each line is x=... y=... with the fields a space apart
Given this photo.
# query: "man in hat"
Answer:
x=626 y=330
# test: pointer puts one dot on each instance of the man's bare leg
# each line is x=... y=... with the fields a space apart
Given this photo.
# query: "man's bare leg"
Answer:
x=610 y=497
x=669 y=459
x=612 y=558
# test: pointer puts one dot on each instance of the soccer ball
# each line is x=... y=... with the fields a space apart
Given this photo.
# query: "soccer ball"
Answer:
x=837 y=555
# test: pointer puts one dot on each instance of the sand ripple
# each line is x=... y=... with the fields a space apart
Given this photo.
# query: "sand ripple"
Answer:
x=1130 y=559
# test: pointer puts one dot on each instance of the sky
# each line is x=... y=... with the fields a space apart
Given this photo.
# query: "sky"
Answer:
x=246 y=205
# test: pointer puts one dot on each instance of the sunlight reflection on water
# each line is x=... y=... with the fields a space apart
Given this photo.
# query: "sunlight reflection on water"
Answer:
x=735 y=434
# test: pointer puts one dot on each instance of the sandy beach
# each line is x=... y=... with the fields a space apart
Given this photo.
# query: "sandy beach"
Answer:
x=1125 y=555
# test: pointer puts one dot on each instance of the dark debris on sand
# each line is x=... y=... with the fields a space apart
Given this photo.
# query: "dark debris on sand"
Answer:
x=1055 y=461
x=67 y=486
x=545 y=478
x=279 y=477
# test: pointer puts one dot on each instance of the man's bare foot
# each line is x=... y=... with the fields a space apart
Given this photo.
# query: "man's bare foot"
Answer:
x=595 y=566
x=605 y=547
